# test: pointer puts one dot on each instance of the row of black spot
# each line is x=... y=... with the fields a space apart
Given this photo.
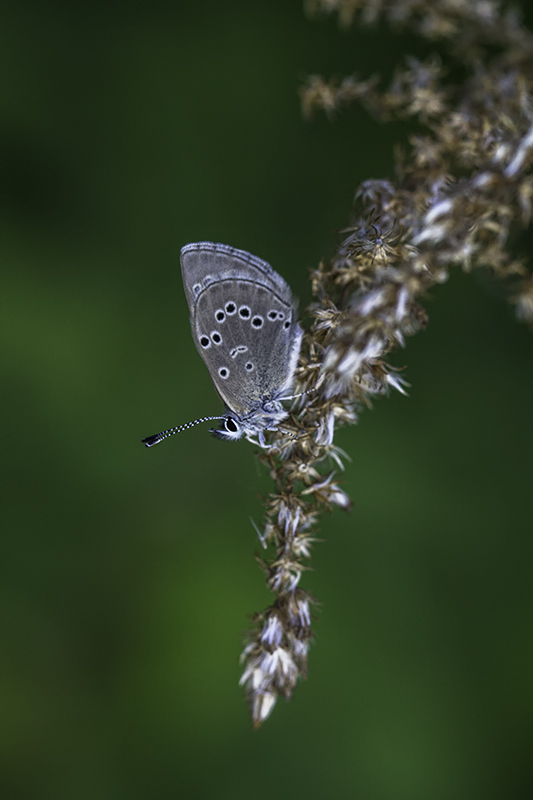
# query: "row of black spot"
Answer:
x=216 y=338
x=244 y=313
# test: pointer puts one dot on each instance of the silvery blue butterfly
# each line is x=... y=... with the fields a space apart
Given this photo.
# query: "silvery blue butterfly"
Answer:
x=243 y=322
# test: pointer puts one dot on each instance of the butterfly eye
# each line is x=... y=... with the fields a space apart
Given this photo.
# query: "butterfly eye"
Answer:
x=231 y=425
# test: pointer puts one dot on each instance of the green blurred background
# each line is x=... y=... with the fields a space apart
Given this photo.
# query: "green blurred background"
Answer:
x=129 y=129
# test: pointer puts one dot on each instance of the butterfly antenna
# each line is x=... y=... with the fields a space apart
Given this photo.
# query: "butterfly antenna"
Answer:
x=300 y=394
x=158 y=437
x=286 y=432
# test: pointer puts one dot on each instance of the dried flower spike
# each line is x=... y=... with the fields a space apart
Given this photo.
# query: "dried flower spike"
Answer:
x=462 y=188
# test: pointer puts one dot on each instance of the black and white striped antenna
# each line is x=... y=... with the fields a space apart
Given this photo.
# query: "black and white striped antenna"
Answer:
x=158 y=437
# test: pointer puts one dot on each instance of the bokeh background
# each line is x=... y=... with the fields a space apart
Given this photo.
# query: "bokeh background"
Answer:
x=127 y=130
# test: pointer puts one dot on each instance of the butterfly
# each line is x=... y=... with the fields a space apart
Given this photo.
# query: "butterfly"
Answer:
x=244 y=325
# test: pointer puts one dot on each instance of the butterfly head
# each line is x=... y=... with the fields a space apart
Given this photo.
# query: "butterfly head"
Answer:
x=264 y=418
x=231 y=428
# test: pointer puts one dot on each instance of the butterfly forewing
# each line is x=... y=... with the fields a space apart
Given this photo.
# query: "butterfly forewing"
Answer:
x=203 y=262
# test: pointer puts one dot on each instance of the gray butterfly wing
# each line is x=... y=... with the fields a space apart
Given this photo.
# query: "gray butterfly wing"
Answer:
x=243 y=321
x=204 y=262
